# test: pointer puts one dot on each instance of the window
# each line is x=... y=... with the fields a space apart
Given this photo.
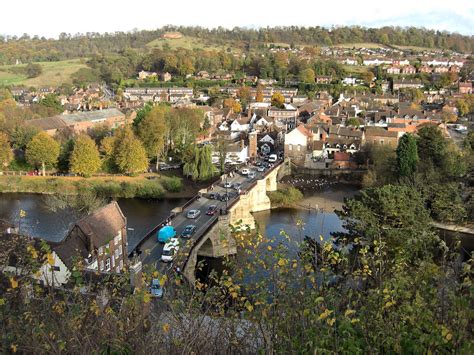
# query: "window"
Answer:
x=120 y=250
x=56 y=268
x=113 y=261
x=118 y=238
x=101 y=265
x=299 y=147
x=381 y=141
x=290 y=147
x=101 y=250
x=107 y=264
x=116 y=253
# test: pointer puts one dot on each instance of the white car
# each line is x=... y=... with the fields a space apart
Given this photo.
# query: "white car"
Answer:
x=251 y=174
x=272 y=158
x=169 y=251
x=244 y=171
x=193 y=214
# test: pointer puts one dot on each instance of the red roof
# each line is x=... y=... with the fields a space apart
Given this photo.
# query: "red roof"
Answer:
x=341 y=156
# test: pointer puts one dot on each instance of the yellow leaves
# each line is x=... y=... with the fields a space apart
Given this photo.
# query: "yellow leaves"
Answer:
x=319 y=299
x=389 y=304
x=349 y=312
x=155 y=274
x=50 y=257
x=269 y=248
x=13 y=348
x=331 y=321
x=13 y=282
x=147 y=297
x=22 y=213
x=2 y=301
x=321 y=238
x=447 y=335
x=282 y=262
x=163 y=280
x=325 y=314
x=166 y=328
x=249 y=306
x=32 y=251
x=95 y=308
x=234 y=294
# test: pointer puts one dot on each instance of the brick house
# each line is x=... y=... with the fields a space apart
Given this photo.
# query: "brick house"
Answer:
x=382 y=136
x=298 y=143
x=408 y=69
x=99 y=239
x=465 y=88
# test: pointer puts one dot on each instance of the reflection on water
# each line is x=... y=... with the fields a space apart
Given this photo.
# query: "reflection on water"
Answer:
x=142 y=215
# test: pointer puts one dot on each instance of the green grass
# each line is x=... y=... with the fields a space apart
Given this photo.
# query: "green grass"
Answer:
x=185 y=42
x=415 y=48
x=54 y=73
x=355 y=69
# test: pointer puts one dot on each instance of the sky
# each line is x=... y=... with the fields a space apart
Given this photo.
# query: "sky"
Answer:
x=51 y=17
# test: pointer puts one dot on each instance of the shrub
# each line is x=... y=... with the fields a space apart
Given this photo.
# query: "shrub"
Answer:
x=173 y=184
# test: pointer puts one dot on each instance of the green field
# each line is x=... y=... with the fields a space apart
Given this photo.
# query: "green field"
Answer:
x=54 y=73
x=359 y=45
x=185 y=42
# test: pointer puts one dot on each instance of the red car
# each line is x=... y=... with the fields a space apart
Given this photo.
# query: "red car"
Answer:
x=212 y=210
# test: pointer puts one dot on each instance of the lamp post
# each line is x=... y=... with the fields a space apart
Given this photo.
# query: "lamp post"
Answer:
x=226 y=194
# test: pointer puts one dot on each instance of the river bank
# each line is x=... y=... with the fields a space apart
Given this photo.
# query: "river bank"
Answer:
x=150 y=186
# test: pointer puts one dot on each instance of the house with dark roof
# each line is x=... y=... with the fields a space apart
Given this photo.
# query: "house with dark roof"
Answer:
x=98 y=241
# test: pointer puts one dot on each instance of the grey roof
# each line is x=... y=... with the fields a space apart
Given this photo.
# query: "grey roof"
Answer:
x=91 y=115
x=48 y=123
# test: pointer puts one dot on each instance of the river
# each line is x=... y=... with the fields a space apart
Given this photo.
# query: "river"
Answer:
x=142 y=215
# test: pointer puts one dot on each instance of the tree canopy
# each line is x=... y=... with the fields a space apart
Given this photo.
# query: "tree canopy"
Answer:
x=85 y=159
x=42 y=150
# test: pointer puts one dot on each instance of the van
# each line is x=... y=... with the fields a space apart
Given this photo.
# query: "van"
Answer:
x=272 y=158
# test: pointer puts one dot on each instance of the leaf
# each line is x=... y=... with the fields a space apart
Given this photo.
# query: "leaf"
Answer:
x=13 y=348
x=13 y=282
x=249 y=306
x=2 y=301
x=449 y=336
x=166 y=328
x=147 y=297
x=281 y=262
x=331 y=321
x=51 y=259
x=269 y=248
x=325 y=314
x=349 y=312
x=319 y=299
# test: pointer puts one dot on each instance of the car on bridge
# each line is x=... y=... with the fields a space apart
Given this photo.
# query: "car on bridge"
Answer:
x=166 y=233
x=251 y=174
x=170 y=250
x=227 y=185
x=211 y=210
x=188 y=231
x=214 y=196
x=156 y=289
x=244 y=171
x=193 y=214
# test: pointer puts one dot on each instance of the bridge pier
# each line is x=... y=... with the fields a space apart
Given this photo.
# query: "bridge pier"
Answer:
x=216 y=243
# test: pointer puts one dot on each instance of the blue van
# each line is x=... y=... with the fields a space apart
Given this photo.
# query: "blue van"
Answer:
x=166 y=233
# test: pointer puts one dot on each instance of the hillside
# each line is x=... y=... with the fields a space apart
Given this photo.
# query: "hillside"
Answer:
x=54 y=73
x=186 y=42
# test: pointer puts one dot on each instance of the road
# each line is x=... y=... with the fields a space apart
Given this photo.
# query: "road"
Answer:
x=152 y=249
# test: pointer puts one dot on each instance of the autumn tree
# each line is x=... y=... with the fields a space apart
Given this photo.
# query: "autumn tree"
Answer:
x=129 y=153
x=153 y=130
x=244 y=95
x=259 y=94
x=42 y=150
x=6 y=154
x=407 y=156
x=85 y=159
x=232 y=104
x=278 y=100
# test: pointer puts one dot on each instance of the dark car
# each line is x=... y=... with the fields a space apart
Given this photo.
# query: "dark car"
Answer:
x=188 y=231
x=212 y=210
x=214 y=196
x=224 y=197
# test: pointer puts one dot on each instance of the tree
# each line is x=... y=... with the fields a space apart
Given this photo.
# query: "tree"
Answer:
x=244 y=95
x=259 y=94
x=431 y=145
x=446 y=204
x=42 y=150
x=232 y=104
x=407 y=156
x=85 y=159
x=463 y=107
x=153 y=130
x=52 y=101
x=130 y=155
x=6 y=154
x=307 y=76
x=33 y=70
x=278 y=100
x=353 y=121
x=368 y=77
x=141 y=113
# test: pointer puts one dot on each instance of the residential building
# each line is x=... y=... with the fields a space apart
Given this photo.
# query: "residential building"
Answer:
x=298 y=144
x=465 y=87
x=406 y=83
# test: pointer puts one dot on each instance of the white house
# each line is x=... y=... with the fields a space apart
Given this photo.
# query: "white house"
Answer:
x=349 y=81
x=240 y=125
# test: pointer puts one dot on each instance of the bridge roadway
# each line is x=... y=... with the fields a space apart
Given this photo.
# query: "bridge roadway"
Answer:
x=152 y=249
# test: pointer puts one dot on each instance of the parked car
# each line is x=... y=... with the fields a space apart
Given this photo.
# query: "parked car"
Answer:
x=227 y=185
x=164 y=166
x=272 y=158
x=251 y=174
x=244 y=171
x=156 y=289
x=212 y=210
x=193 y=214
x=214 y=196
x=237 y=186
x=169 y=252
x=225 y=197
x=261 y=169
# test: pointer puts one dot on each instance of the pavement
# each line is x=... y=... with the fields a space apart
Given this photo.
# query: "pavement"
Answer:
x=152 y=249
